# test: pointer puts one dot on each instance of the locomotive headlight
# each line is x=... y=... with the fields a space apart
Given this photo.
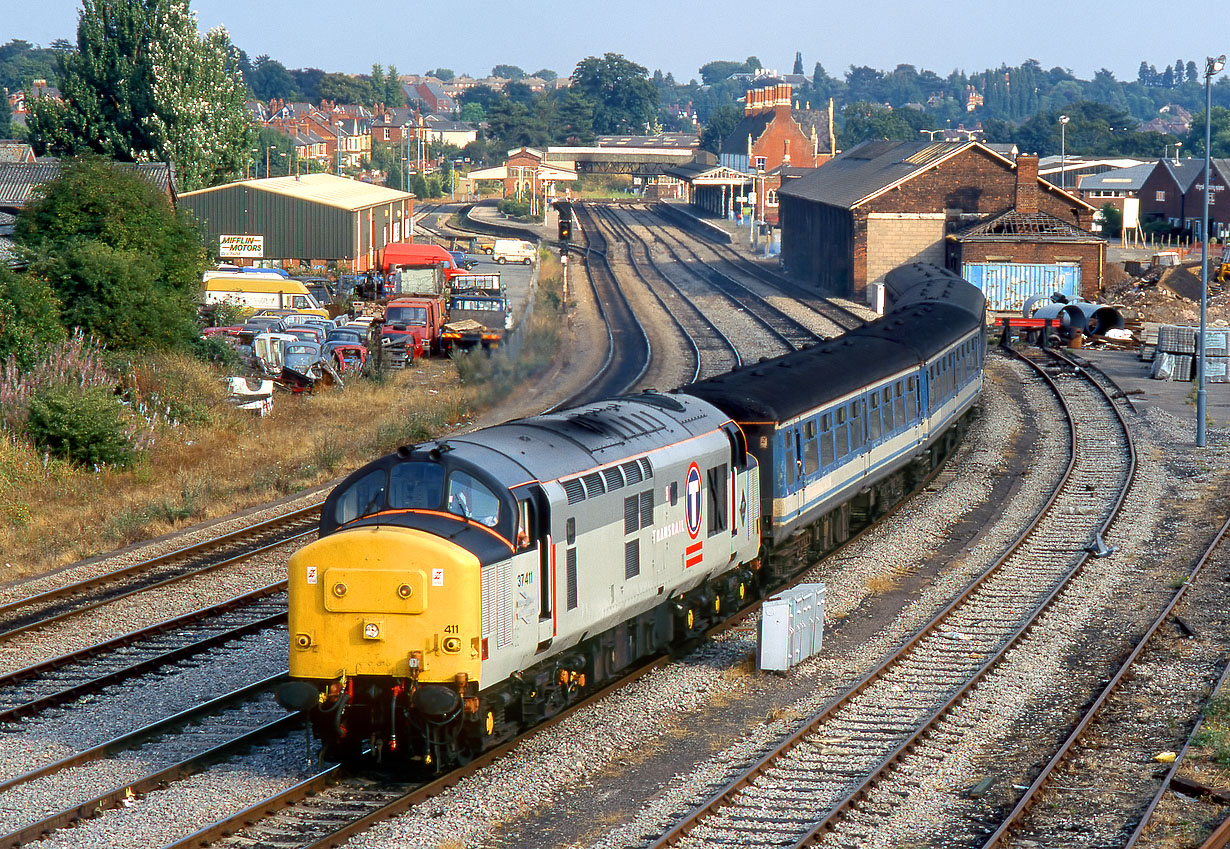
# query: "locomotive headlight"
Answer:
x=404 y=591
x=303 y=641
x=452 y=645
x=339 y=589
x=371 y=630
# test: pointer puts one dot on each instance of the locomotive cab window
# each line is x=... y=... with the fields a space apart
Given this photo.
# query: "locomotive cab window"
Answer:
x=365 y=497
x=416 y=486
x=469 y=497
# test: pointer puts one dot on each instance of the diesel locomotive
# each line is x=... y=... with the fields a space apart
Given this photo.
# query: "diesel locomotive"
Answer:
x=463 y=590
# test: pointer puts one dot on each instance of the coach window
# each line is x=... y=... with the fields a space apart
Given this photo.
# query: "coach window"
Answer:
x=790 y=458
x=886 y=410
x=842 y=433
x=717 y=499
x=899 y=404
x=826 y=440
x=911 y=398
x=810 y=464
x=873 y=417
x=856 y=426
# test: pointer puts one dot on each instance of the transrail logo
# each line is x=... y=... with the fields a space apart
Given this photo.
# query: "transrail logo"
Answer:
x=692 y=496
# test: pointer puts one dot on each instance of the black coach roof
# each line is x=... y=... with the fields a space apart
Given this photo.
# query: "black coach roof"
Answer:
x=788 y=386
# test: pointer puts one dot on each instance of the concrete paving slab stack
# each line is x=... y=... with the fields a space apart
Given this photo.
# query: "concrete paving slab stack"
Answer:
x=1175 y=358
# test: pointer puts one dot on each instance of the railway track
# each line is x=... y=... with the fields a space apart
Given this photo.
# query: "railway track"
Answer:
x=813 y=781
x=75 y=599
x=791 y=332
x=713 y=351
x=625 y=334
x=833 y=310
x=29 y=691
x=1031 y=820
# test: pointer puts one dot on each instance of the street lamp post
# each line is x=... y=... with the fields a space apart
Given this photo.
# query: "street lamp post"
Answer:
x=1212 y=66
x=1063 y=152
x=931 y=133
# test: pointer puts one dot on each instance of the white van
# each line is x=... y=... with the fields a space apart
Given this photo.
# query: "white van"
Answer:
x=513 y=250
x=260 y=291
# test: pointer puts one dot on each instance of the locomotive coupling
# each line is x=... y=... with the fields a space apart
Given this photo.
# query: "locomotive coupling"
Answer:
x=297 y=695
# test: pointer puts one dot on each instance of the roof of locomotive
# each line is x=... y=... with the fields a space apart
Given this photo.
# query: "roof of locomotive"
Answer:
x=557 y=445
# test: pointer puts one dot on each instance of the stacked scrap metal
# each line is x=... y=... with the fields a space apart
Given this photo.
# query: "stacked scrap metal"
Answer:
x=1175 y=358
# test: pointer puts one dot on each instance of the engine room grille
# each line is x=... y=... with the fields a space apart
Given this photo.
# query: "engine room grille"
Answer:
x=575 y=490
x=497 y=603
x=632 y=471
x=632 y=559
x=572 y=578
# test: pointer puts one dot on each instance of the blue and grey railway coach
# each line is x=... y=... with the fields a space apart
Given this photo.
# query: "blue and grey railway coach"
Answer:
x=849 y=423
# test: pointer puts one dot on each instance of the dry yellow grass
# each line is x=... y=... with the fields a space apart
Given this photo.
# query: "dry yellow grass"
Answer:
x=215 y=460
x=880 y=584
x=55 y=514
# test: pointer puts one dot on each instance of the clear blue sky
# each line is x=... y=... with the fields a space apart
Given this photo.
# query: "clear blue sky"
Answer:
x=680 y=36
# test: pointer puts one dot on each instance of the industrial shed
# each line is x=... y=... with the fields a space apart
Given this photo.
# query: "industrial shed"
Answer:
x=313 y=219
x=884 y=204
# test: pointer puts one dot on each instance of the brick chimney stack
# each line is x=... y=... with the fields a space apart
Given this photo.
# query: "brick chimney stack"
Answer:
x=781 y=100
x=1027 y=183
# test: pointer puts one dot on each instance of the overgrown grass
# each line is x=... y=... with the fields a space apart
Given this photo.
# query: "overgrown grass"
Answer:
x=214 y=461
x=1214 y=734
x=490 y=377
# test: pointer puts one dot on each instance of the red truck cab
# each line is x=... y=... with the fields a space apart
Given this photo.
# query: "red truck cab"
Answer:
x=420 y=318
x=413 y=269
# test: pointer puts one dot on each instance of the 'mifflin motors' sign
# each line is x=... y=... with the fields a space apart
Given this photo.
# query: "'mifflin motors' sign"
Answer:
x=245 y=246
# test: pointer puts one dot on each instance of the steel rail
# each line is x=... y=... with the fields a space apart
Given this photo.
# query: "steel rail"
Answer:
x=824 y=306
x=708 y=326
x=732 y=788
x=594 y=389
x=1065 y=749
x=162 y=560
x=117 y=795
x=791 y=344
x=603 y=215
x=146 y=733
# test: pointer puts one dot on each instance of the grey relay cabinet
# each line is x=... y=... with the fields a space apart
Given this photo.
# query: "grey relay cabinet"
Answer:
x=791 y=627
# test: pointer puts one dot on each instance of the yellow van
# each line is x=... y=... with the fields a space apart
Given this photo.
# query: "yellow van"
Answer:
x=260 y=291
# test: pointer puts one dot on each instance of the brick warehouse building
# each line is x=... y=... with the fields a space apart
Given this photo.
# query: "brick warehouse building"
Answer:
x=1025 y=252
x=883 y=204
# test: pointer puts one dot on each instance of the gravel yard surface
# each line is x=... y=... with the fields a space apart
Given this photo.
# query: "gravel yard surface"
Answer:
x=138 y=611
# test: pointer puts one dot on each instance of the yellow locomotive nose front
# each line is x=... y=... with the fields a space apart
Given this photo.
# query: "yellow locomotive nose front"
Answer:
x=365 y=601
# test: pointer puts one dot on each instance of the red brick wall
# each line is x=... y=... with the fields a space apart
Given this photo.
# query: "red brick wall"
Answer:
x=1090 y=256
x=525 y=158
x=1219 y=202
x=772 y=144
x=1171 y=207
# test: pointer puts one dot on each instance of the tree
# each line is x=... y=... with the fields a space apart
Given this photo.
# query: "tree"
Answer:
x=1219 y=126
x=473 y=113
x=716 y=72
x=624 y=99
x=574 y=119
x=269 y=80
x=508 y=72
x=343 y=88
x=545 y=74
x=142 y=85
x=393 y=95
x=1112 y=220
x=124 y=265
x=798 y=62
x=722 y=122
x=444 y=75
x=29 y=317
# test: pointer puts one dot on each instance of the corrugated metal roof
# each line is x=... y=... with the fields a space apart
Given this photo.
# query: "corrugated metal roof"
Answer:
x=18 y=180
x=325 y=189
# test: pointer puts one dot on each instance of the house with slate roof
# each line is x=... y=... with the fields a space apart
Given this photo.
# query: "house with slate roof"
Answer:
x=883 y=204
x=1165 y=192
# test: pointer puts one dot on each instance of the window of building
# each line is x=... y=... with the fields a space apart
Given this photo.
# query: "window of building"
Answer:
x=771 y=197
x=760 y=162
x=1159 y=195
